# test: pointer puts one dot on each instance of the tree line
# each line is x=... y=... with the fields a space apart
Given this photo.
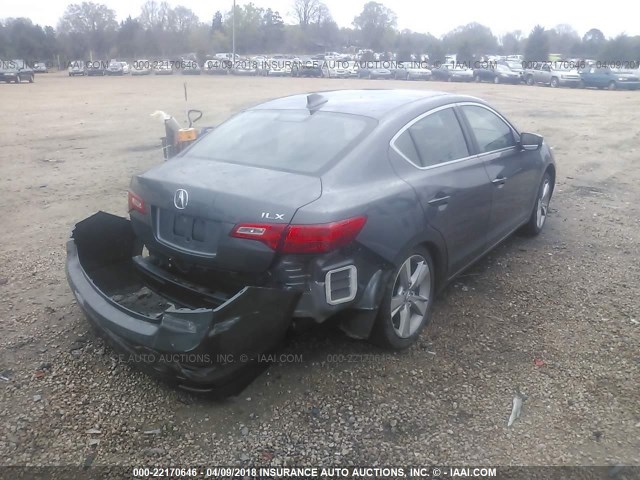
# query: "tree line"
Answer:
x=90 y=30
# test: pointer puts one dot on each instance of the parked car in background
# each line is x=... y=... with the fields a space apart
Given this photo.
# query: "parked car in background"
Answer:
x=126 y=68
x=261 y=64
x=217 y=66
x=353 y=67
x=307 y=67
x=190 y=67
x=226 y=56
x=496 y=73
x=366 y=202
x=77 y=67
x=279 y=66
x=374 y=72
x=141 y=67
x=15 y=71
x=604 y=77
x=552 y=75
x=115 y=68
x=515 y=67
x=163 y=67
x=96 y=68
x=449 y=72
x=335 y=69
x=40 y=67
x=244 y=67
x=411 y=71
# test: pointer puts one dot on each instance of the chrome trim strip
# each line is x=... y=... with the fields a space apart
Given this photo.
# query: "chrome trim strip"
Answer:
x=487 y=107
x=392 y=143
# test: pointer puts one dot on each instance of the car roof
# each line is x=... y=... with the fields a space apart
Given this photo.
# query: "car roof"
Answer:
x=370 y=103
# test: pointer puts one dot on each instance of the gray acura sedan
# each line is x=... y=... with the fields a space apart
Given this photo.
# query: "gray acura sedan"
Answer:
x=368 y=201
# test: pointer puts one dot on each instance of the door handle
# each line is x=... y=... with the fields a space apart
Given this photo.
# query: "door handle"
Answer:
x=499 y=181
x=439 y=201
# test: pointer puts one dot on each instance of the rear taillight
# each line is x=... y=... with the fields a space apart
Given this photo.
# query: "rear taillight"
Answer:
x=267 y=233
x=136 y=203
x=320 y=238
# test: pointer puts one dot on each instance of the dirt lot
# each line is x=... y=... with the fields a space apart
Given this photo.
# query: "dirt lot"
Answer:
x=556 y=317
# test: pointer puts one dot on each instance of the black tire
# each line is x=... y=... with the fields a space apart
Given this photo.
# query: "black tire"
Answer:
x=496 y=79
x=384 y=332
x=533 y=227
x=530 y=81
x=31 y=78
x=554 y=83
x=612 y=85
x=477 y=78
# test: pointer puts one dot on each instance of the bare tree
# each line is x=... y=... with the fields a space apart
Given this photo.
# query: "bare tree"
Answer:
x=322 y=14
x=182 y=19
x=306 y=11
x=92 y=24
x=154 y=14
x=88 y=17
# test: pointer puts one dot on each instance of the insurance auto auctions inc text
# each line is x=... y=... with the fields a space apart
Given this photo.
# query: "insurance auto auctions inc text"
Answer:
x=371 y=472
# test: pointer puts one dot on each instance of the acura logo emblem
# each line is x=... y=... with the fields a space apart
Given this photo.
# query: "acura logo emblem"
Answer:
x=181 y=199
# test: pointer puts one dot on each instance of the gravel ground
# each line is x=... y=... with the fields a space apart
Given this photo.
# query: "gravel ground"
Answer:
x=554 y=318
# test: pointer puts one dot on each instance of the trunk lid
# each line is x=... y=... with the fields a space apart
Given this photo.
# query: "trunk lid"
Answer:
x=193 y=204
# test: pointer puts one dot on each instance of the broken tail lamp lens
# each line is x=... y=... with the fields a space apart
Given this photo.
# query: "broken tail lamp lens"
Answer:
x=319 y=238
x=136 y=203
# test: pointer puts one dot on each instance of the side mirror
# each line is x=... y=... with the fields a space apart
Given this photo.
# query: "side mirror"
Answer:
x=530 y=141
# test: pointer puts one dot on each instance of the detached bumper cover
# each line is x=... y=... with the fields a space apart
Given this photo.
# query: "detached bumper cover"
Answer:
x=208 y=349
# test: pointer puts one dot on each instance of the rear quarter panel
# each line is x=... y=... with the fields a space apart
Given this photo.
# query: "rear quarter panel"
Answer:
x=365 y=182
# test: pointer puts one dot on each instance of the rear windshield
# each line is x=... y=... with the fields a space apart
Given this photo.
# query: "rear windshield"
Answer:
x=291 y=140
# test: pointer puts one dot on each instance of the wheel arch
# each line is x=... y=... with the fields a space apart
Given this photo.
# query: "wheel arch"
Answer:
x=439 y=259
x=433 y=242
x=551 y=169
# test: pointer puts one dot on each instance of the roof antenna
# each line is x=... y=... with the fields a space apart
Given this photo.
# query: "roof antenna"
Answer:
x=314 y=102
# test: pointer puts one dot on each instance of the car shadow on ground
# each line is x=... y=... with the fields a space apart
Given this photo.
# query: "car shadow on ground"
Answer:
x=320 y=345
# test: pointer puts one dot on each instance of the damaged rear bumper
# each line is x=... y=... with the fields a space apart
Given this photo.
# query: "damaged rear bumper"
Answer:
x=189 y=336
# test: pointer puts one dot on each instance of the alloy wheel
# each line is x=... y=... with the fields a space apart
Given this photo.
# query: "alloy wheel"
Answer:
x=543 y=203
x=410 y=296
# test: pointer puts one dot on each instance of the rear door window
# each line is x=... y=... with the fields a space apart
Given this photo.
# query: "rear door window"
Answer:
x=490 y=131
x=434 y=139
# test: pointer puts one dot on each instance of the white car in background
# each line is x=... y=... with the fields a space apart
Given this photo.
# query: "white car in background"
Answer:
x=335 y=69
x=141 y=67
x=352 y=68
x=280 y=66
x=77 y=67
x=411 y=71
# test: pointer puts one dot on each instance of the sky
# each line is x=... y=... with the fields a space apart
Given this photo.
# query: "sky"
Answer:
x=417 y=15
